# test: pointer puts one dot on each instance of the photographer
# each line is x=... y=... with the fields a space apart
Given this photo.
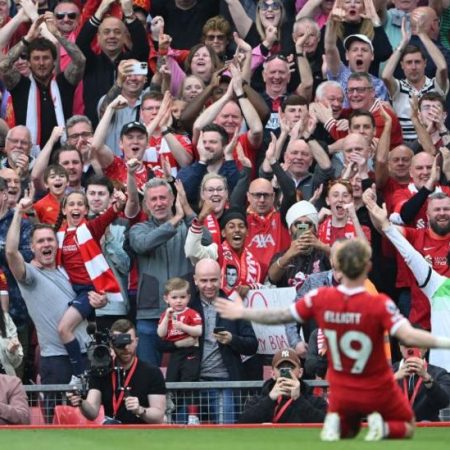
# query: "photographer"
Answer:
x=133 y=392
x=427 y=387
x=285 y=398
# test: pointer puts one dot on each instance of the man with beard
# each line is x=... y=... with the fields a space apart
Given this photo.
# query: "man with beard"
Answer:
x=433 y=243
x=214 y=156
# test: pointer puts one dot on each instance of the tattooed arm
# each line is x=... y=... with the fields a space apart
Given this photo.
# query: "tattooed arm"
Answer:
x=75 y=70
x=8 y=73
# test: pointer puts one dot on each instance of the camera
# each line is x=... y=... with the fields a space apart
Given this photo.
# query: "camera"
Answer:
x=413 y=353
x=99 y=350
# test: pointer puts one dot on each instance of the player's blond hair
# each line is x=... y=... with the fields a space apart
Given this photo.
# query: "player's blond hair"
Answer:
x=352 y=257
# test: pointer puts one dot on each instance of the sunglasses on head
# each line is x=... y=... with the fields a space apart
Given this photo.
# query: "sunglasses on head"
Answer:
x=70 y=15
x=275 y=6
x=277 y=56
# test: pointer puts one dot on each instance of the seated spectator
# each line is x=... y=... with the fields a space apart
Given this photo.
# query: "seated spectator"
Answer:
x=14 y=409
x=284 y=398
x=426 y=386
x=145 y=401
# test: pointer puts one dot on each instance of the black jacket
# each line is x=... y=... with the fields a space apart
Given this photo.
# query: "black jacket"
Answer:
x=306 y=409
x=428 y=402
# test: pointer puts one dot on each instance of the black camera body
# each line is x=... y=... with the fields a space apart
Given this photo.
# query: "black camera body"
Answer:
x=99 y=351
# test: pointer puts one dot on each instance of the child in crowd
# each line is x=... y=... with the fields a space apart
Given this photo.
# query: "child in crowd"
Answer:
x=180 y=322
x=80 y=255
x=55 y=180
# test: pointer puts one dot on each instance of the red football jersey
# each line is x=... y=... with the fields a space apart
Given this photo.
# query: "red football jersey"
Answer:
x=189 y=317
x=354 y=323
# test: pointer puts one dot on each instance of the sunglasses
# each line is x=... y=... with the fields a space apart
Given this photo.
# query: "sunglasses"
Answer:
x=277 y=56
x=70 y=15
x=275 y=6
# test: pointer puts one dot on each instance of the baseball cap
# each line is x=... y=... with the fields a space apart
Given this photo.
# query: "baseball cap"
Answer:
x=133 y=126
x=357 y=37
x=287 y=354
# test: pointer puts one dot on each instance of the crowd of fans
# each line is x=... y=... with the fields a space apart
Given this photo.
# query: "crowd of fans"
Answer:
x=159 y=154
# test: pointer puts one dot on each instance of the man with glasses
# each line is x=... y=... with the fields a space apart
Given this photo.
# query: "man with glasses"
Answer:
x=361 y=95
x=18 y=148
x=267 y=231
x=359 y=54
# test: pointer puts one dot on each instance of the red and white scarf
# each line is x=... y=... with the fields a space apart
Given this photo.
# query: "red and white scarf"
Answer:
x=34 y=114
x=96 y=265
x=247 y=267
x=212 y=224
x=324 y=232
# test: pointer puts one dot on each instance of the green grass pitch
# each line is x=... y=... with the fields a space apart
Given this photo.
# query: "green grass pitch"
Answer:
x=207 y=439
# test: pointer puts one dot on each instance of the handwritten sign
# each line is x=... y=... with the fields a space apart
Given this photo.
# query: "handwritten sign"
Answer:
x=271 y=338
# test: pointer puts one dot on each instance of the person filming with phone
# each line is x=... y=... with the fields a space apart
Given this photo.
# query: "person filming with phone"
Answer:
x=306 y=253
x=285 y=398
x=426 y=386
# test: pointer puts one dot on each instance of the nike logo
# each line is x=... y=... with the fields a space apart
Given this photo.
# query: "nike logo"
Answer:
x=426 y=249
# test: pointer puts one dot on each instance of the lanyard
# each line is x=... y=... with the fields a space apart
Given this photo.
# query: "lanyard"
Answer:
x=416 y=388
x=280 y=411
x=116 y=401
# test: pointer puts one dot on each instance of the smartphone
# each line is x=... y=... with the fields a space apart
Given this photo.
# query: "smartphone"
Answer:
x=139 y=68
x=285 y=372
x=439 y=159
x=219 y=330
x=300 y=228
x=413 y=353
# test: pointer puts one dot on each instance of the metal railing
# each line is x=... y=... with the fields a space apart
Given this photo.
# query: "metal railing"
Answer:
x=218 y=402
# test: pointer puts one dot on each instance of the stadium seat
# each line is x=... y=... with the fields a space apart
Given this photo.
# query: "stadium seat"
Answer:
x=68 y=415
x=37 y=417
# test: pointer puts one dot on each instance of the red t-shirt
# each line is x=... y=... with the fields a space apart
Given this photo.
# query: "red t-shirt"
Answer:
x=266 y=237
x=353 y=322
x=435 y=249
x=188 y=317
x=47 y=209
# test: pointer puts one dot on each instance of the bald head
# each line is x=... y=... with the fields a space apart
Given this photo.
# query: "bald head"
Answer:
x=207 y=278
x=261 y=196
x=420 y=170
x=400 y=159
x=430 y=20
x=111 y=36
x=356 y=144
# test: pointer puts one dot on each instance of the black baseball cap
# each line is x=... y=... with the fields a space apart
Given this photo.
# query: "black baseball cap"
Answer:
x=133 y=126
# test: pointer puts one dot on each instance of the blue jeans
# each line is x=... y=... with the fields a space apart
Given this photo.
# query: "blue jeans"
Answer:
x=147 y=347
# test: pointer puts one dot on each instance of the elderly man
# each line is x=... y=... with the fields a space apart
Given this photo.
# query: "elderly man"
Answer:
x=159 y=245
x=18 y=148
x=112 y=34
x=13 y=186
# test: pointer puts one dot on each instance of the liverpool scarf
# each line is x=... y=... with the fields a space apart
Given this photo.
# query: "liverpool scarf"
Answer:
x=34 y=115
x=98 y=269
x=247 y=268
x=324 y=232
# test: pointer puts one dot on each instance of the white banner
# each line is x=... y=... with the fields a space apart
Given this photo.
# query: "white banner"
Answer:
x=271 y=338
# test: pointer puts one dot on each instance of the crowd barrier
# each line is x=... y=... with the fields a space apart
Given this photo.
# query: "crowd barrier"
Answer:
x=218 y=402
